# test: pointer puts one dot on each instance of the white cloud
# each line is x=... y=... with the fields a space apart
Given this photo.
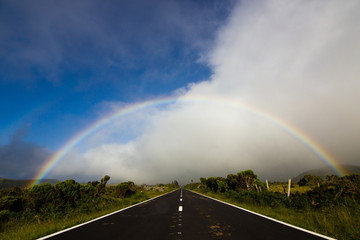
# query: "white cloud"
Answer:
x=297 y=60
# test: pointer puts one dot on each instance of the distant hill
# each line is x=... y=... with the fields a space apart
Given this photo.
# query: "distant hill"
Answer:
x=6 y=183
x=323 y=172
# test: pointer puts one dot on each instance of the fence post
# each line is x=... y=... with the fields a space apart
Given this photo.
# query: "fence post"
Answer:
x=267 y=185
x=289 y=187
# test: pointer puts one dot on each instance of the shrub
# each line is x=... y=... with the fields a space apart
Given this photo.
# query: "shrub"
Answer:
x=11 y=203
x=4 y=215
x=68 y=191
x=40 y=195
x=125 y=189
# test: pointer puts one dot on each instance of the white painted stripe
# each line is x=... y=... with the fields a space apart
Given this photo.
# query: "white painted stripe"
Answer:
x=180 y=208
x=180 y=199
x=272 y=219
x=82 y=224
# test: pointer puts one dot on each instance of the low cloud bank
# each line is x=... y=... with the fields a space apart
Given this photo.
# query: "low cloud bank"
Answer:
x=20 y=159
x=298 y=61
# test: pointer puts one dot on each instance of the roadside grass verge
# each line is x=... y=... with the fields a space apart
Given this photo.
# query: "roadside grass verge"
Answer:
x=341 y=222
x=31 y=228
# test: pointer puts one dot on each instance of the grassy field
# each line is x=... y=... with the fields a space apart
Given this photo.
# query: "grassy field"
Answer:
x=21 y=229
x=340 y=223
x=281 y=187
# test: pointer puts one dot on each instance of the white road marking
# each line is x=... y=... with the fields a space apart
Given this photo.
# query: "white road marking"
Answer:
x=180 y=199
x=82 y=224
x=272 y=219
x=180 y=208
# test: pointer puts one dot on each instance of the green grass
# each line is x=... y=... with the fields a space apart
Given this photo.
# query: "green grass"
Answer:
x=22 y=229
x=295 y=188
x=340 y=222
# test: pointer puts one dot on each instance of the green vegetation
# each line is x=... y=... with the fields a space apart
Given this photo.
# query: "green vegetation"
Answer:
x=330 y=207
x=44 y=208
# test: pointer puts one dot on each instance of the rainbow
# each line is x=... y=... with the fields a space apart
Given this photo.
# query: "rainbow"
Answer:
x=319 y=151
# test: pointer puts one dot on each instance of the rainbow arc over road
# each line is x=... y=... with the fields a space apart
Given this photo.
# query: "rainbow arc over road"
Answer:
x=313 y=146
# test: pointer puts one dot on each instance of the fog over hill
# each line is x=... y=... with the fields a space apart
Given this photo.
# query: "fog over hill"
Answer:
x=6 y=183
x=323 y=172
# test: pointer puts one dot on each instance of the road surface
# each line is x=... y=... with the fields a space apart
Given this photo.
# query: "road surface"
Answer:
x=184 y=215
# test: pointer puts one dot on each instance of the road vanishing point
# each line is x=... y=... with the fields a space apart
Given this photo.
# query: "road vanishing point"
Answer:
x=183 y=214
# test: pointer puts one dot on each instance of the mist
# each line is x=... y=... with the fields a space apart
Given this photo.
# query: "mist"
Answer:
x=297 y=61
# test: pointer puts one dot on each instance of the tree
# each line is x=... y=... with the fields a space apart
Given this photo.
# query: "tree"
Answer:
x=247 y=179
x=203 y=182
x=310 y=180
x=231 y=181
x=105 y=179
x=101 y=187
x=212 y=184
x=221 y=184
x=94 y=183
x=175 y=183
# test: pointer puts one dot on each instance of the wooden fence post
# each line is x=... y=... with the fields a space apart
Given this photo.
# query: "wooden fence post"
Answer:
x=289 y=187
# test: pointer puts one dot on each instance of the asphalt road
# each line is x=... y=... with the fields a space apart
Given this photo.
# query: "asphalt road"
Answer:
x=184 y=215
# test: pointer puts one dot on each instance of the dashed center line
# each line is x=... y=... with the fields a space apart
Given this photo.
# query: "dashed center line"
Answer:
x=180 y=216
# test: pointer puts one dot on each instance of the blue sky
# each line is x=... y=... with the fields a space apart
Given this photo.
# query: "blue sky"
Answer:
x=66 y=64
x=59 y=60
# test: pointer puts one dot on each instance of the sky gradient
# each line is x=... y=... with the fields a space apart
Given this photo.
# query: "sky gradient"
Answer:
x=64 y=66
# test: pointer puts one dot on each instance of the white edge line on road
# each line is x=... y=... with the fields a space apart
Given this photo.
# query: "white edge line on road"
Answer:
x=272 y=219
x=109 y=214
